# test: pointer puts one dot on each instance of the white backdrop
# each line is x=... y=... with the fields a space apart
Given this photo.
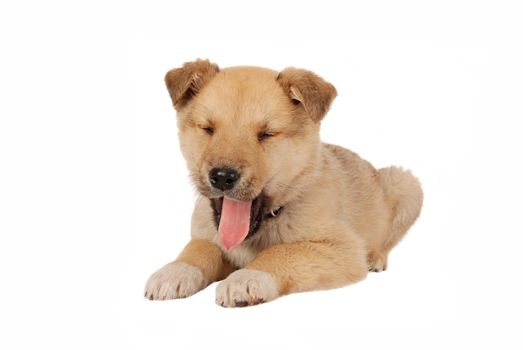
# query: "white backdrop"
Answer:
x=94 y=195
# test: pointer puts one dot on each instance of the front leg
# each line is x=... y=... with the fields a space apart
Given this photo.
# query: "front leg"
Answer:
x=199 y=264
x=295 y=267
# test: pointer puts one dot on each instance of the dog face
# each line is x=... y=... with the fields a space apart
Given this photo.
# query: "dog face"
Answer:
x=249 y=134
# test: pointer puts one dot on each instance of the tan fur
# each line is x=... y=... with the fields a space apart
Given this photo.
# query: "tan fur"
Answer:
x=313 y=92
x=340 y=217
x=207 y=257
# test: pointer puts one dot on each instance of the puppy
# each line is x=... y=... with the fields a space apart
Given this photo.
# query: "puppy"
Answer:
x=278 y=211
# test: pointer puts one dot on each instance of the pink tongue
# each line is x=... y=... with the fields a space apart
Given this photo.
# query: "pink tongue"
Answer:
x=234 y=222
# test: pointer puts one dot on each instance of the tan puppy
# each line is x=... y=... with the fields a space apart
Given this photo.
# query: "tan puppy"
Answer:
x=279 y=211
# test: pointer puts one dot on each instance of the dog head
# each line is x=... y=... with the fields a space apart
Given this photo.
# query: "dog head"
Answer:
x=249 y=134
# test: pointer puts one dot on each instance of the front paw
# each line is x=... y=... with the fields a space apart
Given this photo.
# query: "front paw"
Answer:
x=246 y=287
x=174 y=280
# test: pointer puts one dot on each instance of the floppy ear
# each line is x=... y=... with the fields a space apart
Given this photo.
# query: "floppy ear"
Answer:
x=185 y=82
x=309 y=90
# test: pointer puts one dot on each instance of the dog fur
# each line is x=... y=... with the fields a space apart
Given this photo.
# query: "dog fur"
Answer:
x=339 y=218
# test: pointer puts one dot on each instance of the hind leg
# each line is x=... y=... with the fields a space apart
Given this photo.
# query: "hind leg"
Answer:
x=405 y=197
x=377 y=261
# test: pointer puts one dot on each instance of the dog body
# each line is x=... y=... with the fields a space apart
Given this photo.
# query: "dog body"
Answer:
x=279 y=211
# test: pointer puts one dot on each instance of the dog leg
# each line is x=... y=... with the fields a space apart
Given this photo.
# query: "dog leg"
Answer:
x=295 y=267
x=377 y=261
x=199 y=264
x=405 y=195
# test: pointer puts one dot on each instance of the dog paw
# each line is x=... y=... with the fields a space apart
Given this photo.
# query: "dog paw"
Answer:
x=174 y=280
x=246 y=287
x=377 y=262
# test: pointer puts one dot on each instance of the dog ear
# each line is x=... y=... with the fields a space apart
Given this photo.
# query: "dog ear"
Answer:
x=309 y=90
x=185 y=82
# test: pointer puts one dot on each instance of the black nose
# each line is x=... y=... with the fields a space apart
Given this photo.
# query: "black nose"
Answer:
x=223 y=178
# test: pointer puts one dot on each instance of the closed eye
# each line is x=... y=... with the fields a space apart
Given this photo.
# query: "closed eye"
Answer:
x=264 y=135
x=208 y=130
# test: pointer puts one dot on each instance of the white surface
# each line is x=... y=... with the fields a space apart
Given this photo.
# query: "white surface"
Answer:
x=94 y=195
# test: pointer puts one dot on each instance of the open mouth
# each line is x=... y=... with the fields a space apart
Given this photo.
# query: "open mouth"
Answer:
x=238 y=220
